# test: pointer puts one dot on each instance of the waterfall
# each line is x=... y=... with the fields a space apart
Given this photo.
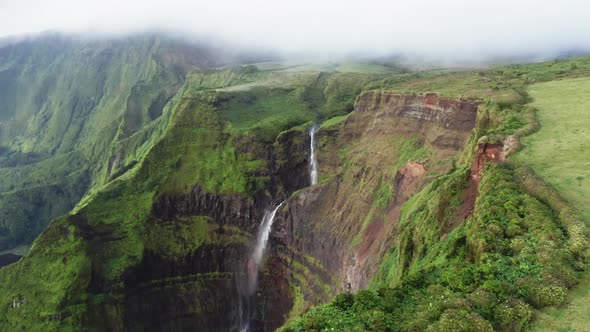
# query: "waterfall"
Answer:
x=263 y=234
x=248 y=294
x=313 y=162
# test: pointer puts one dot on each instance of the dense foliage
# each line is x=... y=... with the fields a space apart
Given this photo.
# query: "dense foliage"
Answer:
x=510 y=257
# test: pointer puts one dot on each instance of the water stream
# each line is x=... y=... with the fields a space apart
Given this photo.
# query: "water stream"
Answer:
x=313 y=162
x=248 y=293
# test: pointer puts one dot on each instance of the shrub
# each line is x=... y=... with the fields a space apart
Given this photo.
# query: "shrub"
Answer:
x=366 y=300
x=513 y=315
x=376 y=320
x=390 y=298
x=343 y=301
x=484 y=302
x=542 y=296
x=454 y=320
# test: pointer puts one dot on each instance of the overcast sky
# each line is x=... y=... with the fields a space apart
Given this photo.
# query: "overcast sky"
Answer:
x=428 y=27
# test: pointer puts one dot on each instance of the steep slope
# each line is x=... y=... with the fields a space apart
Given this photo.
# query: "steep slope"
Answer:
x=76 y=113
x=371 y=163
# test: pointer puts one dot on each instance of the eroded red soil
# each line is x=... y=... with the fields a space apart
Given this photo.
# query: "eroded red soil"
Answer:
x=485 y=153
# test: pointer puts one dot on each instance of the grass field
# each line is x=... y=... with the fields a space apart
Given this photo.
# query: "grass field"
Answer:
x=560 y=153
x=560 y=150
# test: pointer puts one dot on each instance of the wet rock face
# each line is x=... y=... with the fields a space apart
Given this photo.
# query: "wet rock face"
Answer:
x=224 y=209
x=201 y=290
x=193 y=303
x=196 y=289
x=291 y=160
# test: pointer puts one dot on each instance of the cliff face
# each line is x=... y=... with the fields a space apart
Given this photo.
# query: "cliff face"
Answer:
x=443 y=123
x=336 y=233
x=156 y=255
x=191 y=277
x=327 y=239
x=164 y=243
x=440 y=230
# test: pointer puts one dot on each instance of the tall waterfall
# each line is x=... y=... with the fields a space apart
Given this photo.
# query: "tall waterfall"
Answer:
x=248 y=294
x=313 y=162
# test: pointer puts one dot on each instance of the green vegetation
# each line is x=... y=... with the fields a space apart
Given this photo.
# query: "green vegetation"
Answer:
x=557 y=152
x=181 y=237
x=504 y=85
x=522 y=248
x=263 y=112
x=154 y=134
x=510 y=257
x=88 y=112
x=560 y=150
x=41 y=284
x=341 y=67
x=573 y=316
x=127 y=124
x=334 y=121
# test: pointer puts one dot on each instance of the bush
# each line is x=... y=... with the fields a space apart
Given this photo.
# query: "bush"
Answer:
x=454 y=320
x=542 y=296
x=390 y=298
x=343 y=301
x=376 y=320
x=513 y=315
x=484 y=302
x=366 y=300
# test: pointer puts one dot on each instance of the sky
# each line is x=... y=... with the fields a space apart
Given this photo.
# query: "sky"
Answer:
x=437 y=28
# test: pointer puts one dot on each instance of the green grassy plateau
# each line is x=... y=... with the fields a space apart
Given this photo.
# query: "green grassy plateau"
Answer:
x=560 y=152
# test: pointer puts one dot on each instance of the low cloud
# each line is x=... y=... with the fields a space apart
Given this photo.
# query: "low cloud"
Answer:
x=454 y=29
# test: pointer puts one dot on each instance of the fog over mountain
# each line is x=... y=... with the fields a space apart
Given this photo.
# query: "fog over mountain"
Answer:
x=446 y=30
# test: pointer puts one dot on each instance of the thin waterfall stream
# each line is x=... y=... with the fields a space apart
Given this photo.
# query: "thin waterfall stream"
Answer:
x=247 y=288
x=313 y=162
x=248 y=294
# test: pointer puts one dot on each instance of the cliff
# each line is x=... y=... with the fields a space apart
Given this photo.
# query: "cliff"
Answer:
x=418 y=210
x=336 y=233
x=164 y=243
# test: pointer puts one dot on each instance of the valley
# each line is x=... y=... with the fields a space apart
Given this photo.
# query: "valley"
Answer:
x=163 y=186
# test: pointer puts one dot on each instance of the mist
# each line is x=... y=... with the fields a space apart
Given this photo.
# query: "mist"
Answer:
x=455 y=30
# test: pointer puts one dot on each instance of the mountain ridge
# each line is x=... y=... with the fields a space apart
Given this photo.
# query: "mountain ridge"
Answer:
x=432 y=226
